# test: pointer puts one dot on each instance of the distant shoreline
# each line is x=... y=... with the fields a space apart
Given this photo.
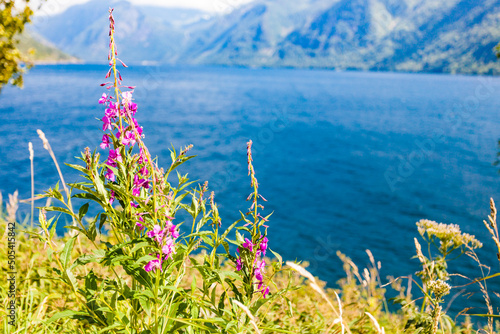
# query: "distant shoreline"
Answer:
x=255 y=67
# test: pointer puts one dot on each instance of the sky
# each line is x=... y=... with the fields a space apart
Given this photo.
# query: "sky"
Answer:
x=50 y=7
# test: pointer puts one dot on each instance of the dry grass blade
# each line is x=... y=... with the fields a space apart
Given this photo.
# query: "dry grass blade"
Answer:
x=302 y=271
x=492 y=227
x=375 y=323
x=46 y=146
x=32 y=156
x=249 y=314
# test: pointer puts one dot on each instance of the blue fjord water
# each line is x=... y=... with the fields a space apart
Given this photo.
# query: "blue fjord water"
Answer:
x=348 y=161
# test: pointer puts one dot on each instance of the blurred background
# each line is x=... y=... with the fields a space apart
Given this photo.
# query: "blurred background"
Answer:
x=366 y=115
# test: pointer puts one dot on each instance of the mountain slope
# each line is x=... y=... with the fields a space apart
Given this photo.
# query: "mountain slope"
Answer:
x=455 y=36
x=142 y=33
x=37 y=49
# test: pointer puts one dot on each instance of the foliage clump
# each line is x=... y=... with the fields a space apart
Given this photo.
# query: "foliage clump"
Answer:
x=12 y=22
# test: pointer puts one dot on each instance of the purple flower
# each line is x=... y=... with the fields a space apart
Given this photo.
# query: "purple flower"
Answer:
x=153 y=265
x=103 y=98
x=112 y=111
x=138 y=183
x=142 y=157
x=239 y=265
x=168 y=249
x=265 y=291
x=144 y=171
x=110 y=175
x=106 y=123
x=259 y=269
x=134 y=205
x=126 y=97
x=157 y=233
x=105 y=142
x=115 y=155
x=248 y=245
x=263 y=246
x=175 y=234
x=128 y=138
x=137 y=127
x=132 y=107
x=140 y=223
x=111 y=196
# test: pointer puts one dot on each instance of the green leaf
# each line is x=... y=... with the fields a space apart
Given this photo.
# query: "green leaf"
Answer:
x=139 y=246
x=223 y=274
x=145 y=258
x=87 y=258
x=66 y=252
x=83 y=211
x=102 y=220
x=78 y=168
x=138 y=273
x=71 y=279
x=226 y=232
x=99 y=184
x=63 y=210
x=53 y=228
x=146 y=305
x=220 y=307
x=88 y=196
x=55 y=193
x=280 y=259
x=66 y=314
x=76 y=228
x=92 y=232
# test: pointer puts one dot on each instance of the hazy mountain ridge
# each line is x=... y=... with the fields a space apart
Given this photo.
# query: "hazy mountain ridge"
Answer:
x=393 y=35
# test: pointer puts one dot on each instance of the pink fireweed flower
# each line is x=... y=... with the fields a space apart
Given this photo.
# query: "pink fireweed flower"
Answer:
x=106 y=123
x=171 y=228
x=144 y=171
x=105 y=142
x=174 y=232
x=132 y=107
x=259 y=269
x=110 y=175
x=129 y=138
x=140 y=223
x=263 y=246
x=239 y=264
x=248 y=245
x=132 y=204
x=264 y=290
x=115 y=155
x=126 y=97
x=111 y=111
x=153 y=265
x=137 y=127
x=168 y=249
x=157 y=233
x=140 y=182
x=103 y=98
x=142 y=157
x=111 y=197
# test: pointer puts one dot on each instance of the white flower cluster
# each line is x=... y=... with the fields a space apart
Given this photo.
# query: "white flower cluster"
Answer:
x=439 y=287
x=449 y=234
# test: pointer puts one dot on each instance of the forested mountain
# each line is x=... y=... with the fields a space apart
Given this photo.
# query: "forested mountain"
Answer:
x=392 y=35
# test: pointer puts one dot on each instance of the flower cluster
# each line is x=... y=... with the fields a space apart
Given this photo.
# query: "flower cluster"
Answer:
x=119 y=115
x=449 y=235
x=165 y=240
x=258 y=265
x=439 y=287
